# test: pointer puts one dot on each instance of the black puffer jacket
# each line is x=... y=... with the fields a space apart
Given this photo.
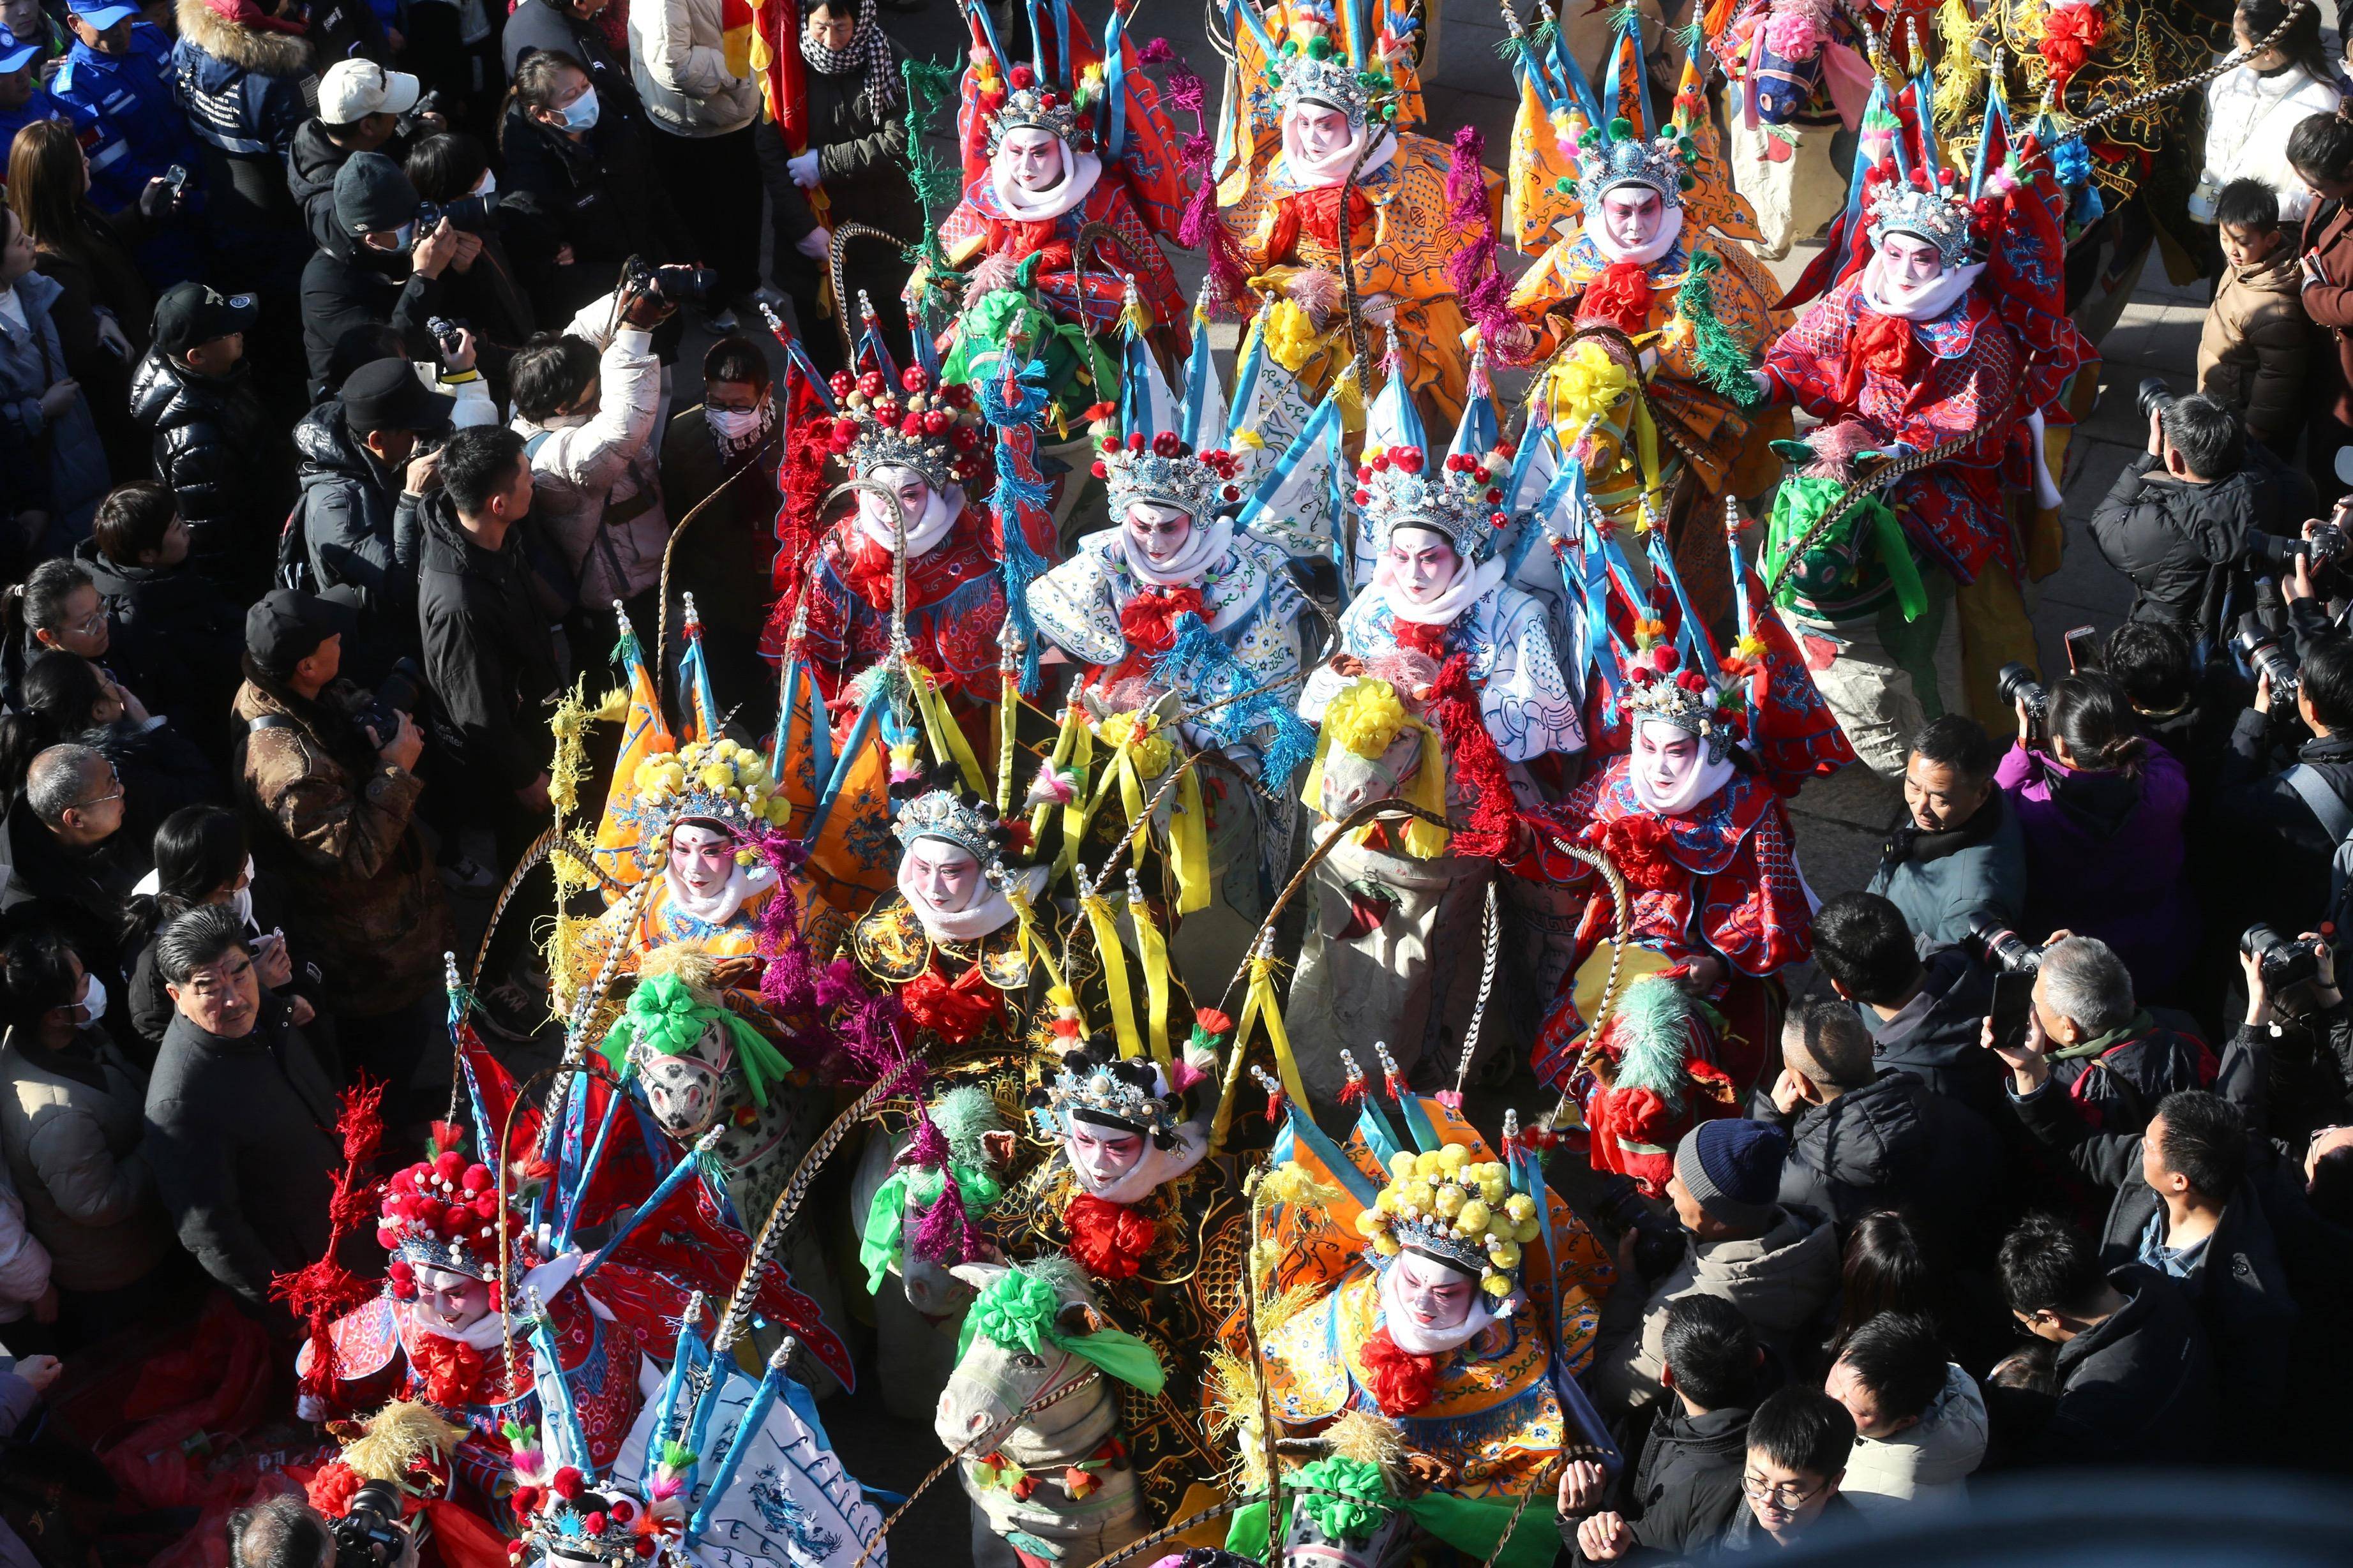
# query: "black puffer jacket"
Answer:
x=488 y=656
x=311 y=164
x=2118 y=1087
x=177 y=642
x=1892 y=1143
x=224 y=461
x=1682 y=1491
x=2136 y=1389
x=1942 y=1049
x=359 y=530
x=2181 y=543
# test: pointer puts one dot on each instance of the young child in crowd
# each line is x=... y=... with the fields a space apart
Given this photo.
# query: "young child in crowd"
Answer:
x=2251 y=353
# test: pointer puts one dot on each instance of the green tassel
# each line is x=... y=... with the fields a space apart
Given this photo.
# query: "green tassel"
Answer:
x=1722 y=359
x=1512 y=48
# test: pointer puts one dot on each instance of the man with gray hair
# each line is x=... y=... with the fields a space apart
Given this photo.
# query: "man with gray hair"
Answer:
x=1861 y=1140
x=66 y=850
x=238 y=1112
x=2090 y=1040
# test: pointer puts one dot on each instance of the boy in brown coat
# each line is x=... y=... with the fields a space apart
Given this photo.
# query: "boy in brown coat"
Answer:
x=2251 y=354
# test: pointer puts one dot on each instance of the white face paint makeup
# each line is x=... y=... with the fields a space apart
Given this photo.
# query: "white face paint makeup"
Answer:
x=1910 y=260
x=1666 y=757
x=1435 y=1297
x=1032 y=157
x=702 y=858
x=1631 y=215
x=450 y=1301
x=946 y=874
x=1101 y=1155
x=1160 y=531
x=1323 y=132
x=1421 y=563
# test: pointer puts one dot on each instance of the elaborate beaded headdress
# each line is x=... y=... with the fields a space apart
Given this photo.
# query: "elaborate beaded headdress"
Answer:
x=1466 y=1214
x=1165 y=471
x=965 y=821
x=1616 y=156
x=931 y=429
x=1937 y=216
x=1028 y=104
x=705 y=781
x=1655 y=689
x=563 y=1515
x=1461 y=500
x=1108 y=1091
x=443 y=1213
x=1316 y=72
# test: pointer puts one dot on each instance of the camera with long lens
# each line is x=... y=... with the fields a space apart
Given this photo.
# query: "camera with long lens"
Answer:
x=2283 y=961
x=675 y=285
x=2153 y=395
x=2266 y=655
x=446 y=334
x=472 y=215
x=1999 y=948
x=370 y=1534
x=2278 y=553
x=1659 y=1240
x=2016 y=684
x=400 y=692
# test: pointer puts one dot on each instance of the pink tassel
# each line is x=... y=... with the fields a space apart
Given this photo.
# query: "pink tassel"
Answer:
x=928 y=1147
x=1185 y=90
x=1478 y=287
x=1156 y=51
x=1200 y=229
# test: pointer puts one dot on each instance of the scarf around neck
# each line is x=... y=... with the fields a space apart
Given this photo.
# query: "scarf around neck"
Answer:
x=1472 y=582
x=974 y=921
x=868 y=54
x=941 y=509
x=1079 y=172
x=718 y=907
x=1930 y=302
x=1332 y=167
x=1415 y=1341
x=1699 y=785
x=1154 y=1168
x=1202 y=550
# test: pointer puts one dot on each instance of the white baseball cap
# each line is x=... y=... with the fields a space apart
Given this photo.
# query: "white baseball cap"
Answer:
x=353 y=89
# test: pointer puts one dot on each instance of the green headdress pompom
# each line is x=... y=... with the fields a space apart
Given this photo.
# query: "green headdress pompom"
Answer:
x=666 y=1014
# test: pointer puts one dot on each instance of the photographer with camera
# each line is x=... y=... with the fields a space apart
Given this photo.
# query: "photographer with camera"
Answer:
x=2280 y=827
x=285 y=1531
x=368 y=453
x=2179 y=519
x=330 y=770
x=2101 y=808
x=2089 y=1036
x=361 y=107
x=384 y=264
x=452 y=176
x=586 y=405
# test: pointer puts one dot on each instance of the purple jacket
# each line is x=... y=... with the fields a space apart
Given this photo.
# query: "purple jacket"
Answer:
x=2104 y=858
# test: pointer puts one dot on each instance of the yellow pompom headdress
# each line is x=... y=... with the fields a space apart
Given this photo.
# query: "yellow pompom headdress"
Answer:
x=1466 y=1214
x=718 y=782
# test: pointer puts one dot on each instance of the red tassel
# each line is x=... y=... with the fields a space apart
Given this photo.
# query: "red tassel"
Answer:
x=1399 y=1381
x=360 y=1122
x=1478 y=778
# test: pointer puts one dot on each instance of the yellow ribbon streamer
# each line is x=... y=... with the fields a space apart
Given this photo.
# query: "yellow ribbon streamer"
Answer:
x=1153 y=946
x=1115 y=962
x=1062 y=756
x=945 y=734
x=1189 y=844
x=1259 y=1002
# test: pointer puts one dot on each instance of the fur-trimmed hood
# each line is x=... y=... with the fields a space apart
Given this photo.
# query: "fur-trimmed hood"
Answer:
x=255 y=49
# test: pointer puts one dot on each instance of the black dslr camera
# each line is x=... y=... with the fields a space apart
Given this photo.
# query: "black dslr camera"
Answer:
x=370 y=1535
x=674 y=285
x=2153 y=395
x=2016 y=682
x=1659 y=1240
x=2276 y=553
x=400 y=692
x=2284 y=961
x=472 y=215
x=2000 y=949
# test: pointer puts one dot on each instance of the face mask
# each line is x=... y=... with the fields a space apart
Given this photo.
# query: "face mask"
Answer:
x=241 y=901
x=488 y=185
x=581 y=114
x=737 y=423
x=93 y=1006
x=408 y=238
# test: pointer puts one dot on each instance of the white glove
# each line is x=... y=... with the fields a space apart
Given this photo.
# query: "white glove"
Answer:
x=803 y=170
x=817 y=244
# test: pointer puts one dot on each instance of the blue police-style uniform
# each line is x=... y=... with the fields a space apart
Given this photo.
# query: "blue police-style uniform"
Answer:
x=129 y=117
x=41 y=106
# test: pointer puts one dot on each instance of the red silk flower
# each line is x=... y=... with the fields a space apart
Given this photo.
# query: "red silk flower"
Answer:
x=1108 y=1239
x=1399 y=1381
